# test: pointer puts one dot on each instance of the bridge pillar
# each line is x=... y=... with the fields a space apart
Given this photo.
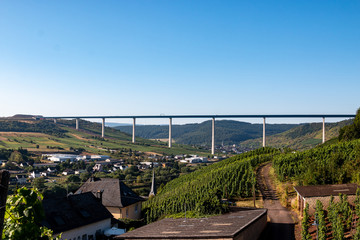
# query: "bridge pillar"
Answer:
x=55 y=120
x=170 y=126
x=264 y=123
x=133 y=130
x=77 y=124
x=323 y=131
x=103 y=128
x=213 y=137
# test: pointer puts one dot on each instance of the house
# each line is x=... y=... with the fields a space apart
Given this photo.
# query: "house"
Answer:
x=99 y=157
x=195 y=159
x=35 y=174
x=247 y=224
x=21 y=178
x=119 y=166
x=79 y=171
x=68 y=172
x=51 y=170
x=80 y=216
x=61 y=157
x=118 y=198
x=97 y=168
x=310 y=194
x=3 y=162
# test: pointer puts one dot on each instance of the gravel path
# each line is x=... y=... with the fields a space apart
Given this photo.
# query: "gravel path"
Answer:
x=281 y=225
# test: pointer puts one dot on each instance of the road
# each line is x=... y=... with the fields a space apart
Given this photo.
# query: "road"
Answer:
x=281 y=225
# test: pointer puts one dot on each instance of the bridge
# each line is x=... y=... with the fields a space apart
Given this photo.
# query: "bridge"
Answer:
x=213 y=117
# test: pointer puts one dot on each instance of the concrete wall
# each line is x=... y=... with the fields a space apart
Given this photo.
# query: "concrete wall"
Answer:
x=254 y=229
x=89 y=230
x=126 y=212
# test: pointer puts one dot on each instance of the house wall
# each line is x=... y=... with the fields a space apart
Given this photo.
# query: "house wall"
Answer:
x=89 y=230
x=324 y=200
x=126 y=212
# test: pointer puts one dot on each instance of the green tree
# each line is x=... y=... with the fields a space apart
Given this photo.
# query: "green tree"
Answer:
x=321 y=220
x=39 y=183
x=16 y=157
x=24 y=212
x=351 y=132
x=305 y=235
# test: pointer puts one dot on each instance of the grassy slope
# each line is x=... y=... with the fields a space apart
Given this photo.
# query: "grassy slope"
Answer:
x=302 y=137
x=87 y=138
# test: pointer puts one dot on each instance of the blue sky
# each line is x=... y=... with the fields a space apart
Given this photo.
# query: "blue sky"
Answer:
x=179 y=57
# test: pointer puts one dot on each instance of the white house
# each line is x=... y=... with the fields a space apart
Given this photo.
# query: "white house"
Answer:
x=62 y=157
x=99 y=157
x=195 y=159
x=35 y=174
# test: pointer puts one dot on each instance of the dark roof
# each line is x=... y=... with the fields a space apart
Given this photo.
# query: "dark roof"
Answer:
x=115 y=192
x=66 y=213
x=222 y=226
x=326 y=190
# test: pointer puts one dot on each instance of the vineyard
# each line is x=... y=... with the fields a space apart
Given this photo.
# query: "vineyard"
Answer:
x=329 y=164
x=202 y=190
x=339 y=221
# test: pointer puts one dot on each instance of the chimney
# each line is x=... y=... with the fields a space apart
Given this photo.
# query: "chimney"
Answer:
x=99 y=195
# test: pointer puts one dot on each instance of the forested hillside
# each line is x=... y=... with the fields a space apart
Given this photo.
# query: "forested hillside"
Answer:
x=227 y=131
x=202 y=190
x=46 y=127
x=302 y=137
x=327 y=164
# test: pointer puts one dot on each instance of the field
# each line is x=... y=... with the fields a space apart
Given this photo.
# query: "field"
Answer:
x=89 y=140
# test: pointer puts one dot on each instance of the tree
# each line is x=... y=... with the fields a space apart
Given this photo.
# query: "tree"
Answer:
x=321 y=220
x=39 y=183
x=305 y=224
x=24 y=212
x=16 y=157
x=352 y=131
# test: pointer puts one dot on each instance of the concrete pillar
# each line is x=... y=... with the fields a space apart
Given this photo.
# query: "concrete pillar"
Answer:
x=264 y=123
x=133 y=132
x=55 y=120
x=323 y=133
x=103 y=128
x=213 y=137
x=77 y=123
x=170 y=126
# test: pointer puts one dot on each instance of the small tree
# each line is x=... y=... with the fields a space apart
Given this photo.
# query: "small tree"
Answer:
x=321 y=220
x=305 y=235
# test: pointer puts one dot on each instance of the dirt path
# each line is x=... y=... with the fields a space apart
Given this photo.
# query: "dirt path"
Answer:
x=281 y=225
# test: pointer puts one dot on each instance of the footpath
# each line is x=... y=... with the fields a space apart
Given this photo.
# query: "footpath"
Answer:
x=281 y=224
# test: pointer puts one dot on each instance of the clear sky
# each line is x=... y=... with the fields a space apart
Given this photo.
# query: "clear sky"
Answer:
x=179 y=57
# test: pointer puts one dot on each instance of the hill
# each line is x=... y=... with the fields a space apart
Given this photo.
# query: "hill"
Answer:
x=227 y=132
x=46 y=136
x=302 y=137
x=202 y=191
